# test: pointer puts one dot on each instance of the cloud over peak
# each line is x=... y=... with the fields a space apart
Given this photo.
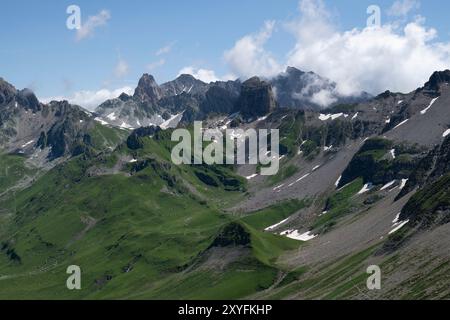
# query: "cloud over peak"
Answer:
x=398 y=55
x=371 y=59
x=248 y=57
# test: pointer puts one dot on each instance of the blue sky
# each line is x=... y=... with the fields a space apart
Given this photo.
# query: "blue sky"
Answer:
x=39 y=52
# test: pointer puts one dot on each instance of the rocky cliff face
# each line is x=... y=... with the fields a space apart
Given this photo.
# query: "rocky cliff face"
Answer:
x=256 y=99
x=436 y=79
x=148 y=90
x=185 y=83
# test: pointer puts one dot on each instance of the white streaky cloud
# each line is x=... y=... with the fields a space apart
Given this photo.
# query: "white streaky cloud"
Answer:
x=248 y=57
x=205 y=75
x=91 y=99
x=401 y=8
x=164 y=50
x=87 y=29
x=372 y=59
x=121 y=68
x=156 y=64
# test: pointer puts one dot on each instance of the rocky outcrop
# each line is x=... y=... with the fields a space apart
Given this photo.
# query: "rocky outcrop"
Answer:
x=256 y=99
x=7 y=92
x=232 y=235
x=436 y=79
x=148 y=90
x=185 y=83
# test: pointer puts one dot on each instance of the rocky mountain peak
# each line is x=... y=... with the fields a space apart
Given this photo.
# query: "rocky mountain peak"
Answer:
x=257 y=98
x=185 y=83
x=147 y=89
x=294 y=71
x=28 y=99
x=7 y=91
x=124 y=97
x=436 y=79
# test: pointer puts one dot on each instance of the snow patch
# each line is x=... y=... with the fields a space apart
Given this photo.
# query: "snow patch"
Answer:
x=112 y=116
x=397 y=218
x=125 y=125
x=403 y=183
x=294 y=234
x=398 y=226
x=278 y=187
x=316 y=167
x=401 y=123
x=446 y=133
x=325 y=117
x=388 y=185
x=27 y=144
x=262 y=118
x=429 y=106
x=338 y=180
x=367 y=187
x=298 y=180
x=355 y=116
x=251 y=176
x=101 y=121
x=276 y=225
x=172 y=122
x=393 y=153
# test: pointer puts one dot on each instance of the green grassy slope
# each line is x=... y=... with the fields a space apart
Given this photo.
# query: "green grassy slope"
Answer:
x=143 y=231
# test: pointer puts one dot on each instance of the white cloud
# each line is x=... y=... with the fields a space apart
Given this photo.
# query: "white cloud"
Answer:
x=91 y=99
x=121 y=68
x=153 y=65
x=204 y=75
x=93 y=22
x=164 y=50
x=248 y=57
x=372 y=59
x=401 y=8
x=317 y=91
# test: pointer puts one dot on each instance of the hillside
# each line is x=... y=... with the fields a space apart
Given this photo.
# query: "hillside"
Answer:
x=362 y=182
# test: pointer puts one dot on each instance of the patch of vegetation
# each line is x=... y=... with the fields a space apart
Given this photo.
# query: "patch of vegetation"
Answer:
x=269 y=216
x=373 y=164
x=337 y=206
x=430 y=205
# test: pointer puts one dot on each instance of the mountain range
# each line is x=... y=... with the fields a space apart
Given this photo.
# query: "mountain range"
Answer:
x=363 y=181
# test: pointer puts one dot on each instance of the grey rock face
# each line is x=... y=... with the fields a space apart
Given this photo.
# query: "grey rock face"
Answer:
x=148 y=90
x=256 y=99
x=185 y=83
